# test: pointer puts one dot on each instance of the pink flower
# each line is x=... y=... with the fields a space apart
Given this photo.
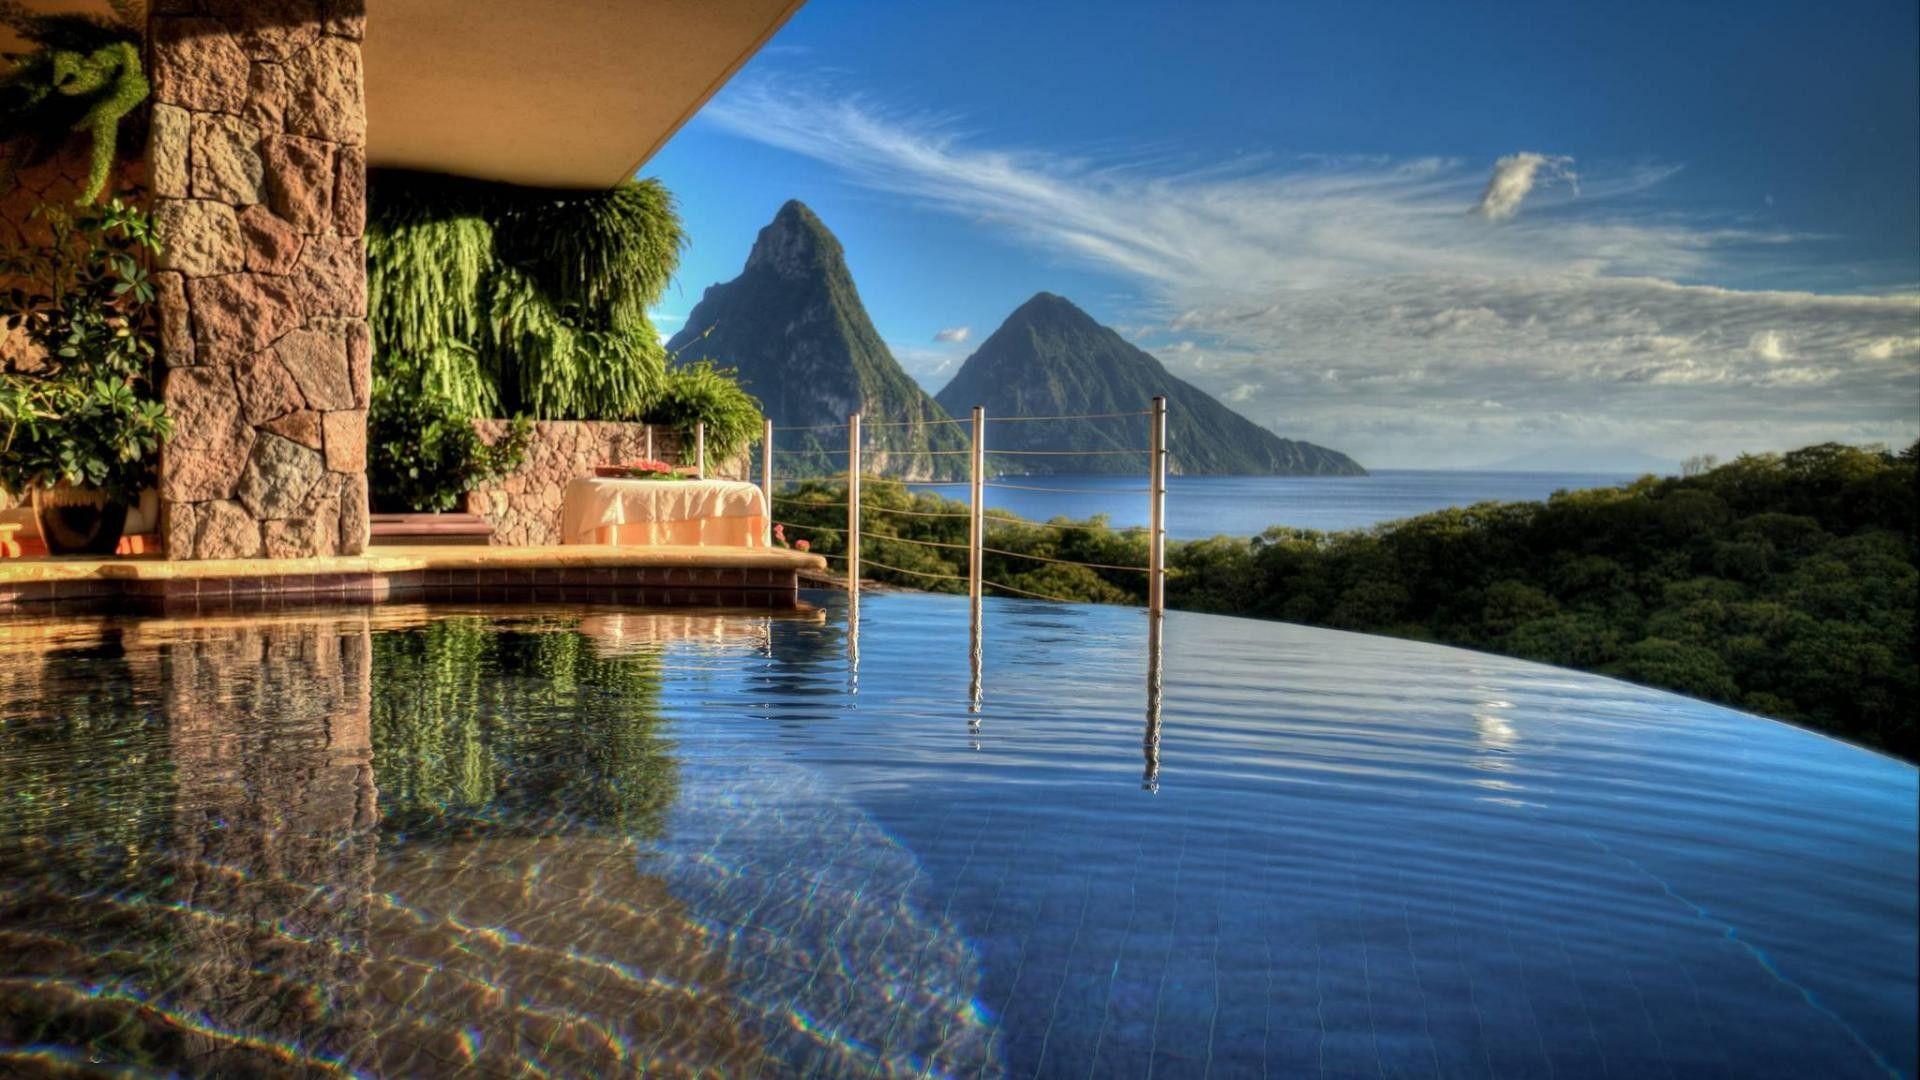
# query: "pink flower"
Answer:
x=802 y=545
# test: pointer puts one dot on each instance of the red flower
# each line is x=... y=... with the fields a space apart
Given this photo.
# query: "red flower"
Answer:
x=802 y=545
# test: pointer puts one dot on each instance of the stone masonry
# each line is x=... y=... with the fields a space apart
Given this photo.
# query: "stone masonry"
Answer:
x=524 y=506
x=257 y=168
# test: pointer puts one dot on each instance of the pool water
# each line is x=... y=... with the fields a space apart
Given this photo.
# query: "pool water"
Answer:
x=411 y=841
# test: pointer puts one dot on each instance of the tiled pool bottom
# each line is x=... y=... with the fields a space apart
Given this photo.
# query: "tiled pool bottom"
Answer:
x=415 y=841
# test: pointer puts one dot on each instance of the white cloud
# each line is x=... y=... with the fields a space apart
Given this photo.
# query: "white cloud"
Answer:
x=953 y=335
x=1891 y=348
x=1353 y=301
x=930 y=366
x=1513 y=179
x=1768 y=345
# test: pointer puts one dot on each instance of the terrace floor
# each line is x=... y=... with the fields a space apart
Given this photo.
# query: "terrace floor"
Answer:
x=661 y=575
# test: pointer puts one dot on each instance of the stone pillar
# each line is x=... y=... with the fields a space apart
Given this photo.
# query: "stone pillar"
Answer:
x=258 y=172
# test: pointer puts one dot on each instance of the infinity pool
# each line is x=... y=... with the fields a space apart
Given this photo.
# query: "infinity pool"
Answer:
x=416 y=841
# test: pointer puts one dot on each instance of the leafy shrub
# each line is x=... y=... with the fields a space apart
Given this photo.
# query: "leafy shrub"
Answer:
x=701 y=393
x=424 y=454
x=89 y=415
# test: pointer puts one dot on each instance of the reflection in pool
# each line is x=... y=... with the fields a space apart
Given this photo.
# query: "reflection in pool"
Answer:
x=408 y=841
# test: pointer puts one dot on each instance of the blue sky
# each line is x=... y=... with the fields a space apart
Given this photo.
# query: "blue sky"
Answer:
x=1425 y=234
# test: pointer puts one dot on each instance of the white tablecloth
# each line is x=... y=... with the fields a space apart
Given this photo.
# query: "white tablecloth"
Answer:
x=714 y=513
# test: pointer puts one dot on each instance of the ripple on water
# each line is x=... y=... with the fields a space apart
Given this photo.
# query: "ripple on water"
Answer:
x=409 y=841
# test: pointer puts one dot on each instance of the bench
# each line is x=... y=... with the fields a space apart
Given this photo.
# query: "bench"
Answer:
x=398 y=529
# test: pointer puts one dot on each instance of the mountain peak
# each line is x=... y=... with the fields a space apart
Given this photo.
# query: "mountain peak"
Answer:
x=1050 y=359
x=795 y=244
x=793 y=326
x=1048 y=305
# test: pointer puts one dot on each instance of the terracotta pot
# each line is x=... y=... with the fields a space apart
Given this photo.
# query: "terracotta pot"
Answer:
x=78 y=521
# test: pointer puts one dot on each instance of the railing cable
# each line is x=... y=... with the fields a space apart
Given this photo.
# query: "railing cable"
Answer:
x=913 y=513
x=1066 y=453
x=922 y=543
x=1035 y=595
x=1065 y=562
x=1068 y=491
x=1077 y=416
x=905 y=423
x=918 y=573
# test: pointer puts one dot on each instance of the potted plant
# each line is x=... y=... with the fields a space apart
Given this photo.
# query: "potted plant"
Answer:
x=81 y=421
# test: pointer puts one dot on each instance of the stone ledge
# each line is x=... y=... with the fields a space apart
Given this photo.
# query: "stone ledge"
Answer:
x=662 y=576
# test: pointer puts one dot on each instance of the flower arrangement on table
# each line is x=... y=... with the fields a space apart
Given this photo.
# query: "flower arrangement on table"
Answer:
x=646 y=469
x=780 y=539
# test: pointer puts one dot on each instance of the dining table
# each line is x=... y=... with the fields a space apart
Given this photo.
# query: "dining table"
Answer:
x=639 y=512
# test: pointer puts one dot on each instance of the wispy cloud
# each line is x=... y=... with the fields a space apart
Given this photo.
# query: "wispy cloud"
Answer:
x=1513 y=179
x=953 y=335
x=1376 y=305
x=931 y=366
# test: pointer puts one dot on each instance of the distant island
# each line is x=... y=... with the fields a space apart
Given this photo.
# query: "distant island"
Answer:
x=793 y=326
x=1784 y=584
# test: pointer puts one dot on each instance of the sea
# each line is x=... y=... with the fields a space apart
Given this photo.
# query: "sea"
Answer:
x=1202 y=506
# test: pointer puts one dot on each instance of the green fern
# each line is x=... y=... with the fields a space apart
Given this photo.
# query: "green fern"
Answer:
x=509 y=300
x=701 y=392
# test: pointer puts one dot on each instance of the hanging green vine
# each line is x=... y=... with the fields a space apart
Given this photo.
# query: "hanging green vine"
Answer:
x=84 y=76
x=506 y=300
x=514 y=299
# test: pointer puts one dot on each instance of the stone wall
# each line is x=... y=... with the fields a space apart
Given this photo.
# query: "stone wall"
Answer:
x=257 y=168
x=524 y=507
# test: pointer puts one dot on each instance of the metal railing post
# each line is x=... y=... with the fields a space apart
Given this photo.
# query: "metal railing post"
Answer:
x=766 y=475
x=853 y=503
x=700 y=449
x=976 y=561
x=1157 y=512
x=1150 y=745
x=976 y=516
x=649 y=428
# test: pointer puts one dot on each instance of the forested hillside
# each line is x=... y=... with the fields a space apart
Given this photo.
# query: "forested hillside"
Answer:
x=1782 y=584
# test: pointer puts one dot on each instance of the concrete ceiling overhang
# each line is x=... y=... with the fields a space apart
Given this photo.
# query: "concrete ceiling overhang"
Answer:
x=559 y=93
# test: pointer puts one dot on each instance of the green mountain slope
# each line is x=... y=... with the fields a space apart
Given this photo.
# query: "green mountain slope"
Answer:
x=793 y=325
x=1050 y=358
